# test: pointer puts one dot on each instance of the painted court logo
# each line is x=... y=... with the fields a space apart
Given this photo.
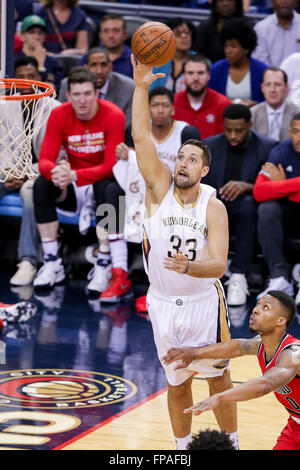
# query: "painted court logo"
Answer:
x=62 y=389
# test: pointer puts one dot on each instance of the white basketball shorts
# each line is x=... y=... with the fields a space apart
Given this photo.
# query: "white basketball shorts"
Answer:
x=190 y=321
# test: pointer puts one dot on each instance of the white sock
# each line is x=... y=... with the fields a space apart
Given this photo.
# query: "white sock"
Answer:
x=103 y=255
x=50 y=248
x=183 y=442
x=119 y=252
x=234 y=437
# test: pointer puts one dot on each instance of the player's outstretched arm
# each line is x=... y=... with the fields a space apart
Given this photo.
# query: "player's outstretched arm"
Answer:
x=286 y=369
x=155 y=173
x=226 y=350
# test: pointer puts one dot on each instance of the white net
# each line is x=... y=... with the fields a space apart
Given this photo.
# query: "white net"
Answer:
x=24 y=108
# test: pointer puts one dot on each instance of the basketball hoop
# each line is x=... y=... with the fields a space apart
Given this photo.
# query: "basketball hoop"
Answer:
x=24 y=109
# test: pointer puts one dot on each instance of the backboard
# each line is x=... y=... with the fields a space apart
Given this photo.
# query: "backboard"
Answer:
x=7 y=31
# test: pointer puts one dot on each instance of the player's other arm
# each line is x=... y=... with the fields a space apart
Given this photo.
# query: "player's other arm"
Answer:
x=156 y=175
x=227 y=349
x=218 y=241
x=286 y=369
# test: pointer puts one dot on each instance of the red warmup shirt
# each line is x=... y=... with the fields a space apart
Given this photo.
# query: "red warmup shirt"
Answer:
x=289 y=394
x=208 y=118
x=90 y=145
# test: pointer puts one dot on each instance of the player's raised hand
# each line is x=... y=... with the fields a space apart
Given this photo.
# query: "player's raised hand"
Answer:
x=204 y=405
x=142 y=74
x=184 y=355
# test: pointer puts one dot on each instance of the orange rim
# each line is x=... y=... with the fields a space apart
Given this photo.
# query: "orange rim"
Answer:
x=7 y=83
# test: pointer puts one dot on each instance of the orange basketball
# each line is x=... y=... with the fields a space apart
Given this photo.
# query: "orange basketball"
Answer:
x=153 y=44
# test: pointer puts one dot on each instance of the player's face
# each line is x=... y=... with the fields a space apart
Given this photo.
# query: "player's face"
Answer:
x=236 y=132
x=196 y=78
x=112 y=34
x=274 y=88
x=100 y=66
x=189 y=168
x=27 y=72
x=295 y=135
x=266 y=315
x=161 y=110
x=83 y=98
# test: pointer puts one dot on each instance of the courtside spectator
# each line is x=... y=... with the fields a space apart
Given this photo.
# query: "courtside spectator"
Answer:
x=199 y=105
x=184 y=32
x=67 y=28
x=239 y=75
x=208 y=41
x=26 y=68
x=89 y=130
x=278 y=34
x=112 y=35
x=237 y=156
x=272 y=117
x=33 y=34
x=112 y=86
x=277 y=188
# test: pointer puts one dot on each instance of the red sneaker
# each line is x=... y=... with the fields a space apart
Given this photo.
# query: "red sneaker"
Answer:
x=140 y=304
x=141 y=307
x=119 y=285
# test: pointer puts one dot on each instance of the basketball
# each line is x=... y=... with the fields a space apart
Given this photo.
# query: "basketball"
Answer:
x=153 y=44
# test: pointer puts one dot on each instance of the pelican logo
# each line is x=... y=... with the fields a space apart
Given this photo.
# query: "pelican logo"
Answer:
x=62 y=389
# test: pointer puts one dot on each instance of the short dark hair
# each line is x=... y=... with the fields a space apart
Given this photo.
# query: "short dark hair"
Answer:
x=178 y=21
x=242 y=30
x=197 y=58
x=239 y=11
x=275 y=69
x=296 y=117
x=113 y=16
x=211 y=439
x=97 y=50
x=206 y=153
x=288 y=304
x=161 y=91
x=26 y=60
x=237 y=111
x=81 y=74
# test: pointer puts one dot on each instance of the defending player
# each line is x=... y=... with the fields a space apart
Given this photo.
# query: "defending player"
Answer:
x=185 y=252
x=279 y=358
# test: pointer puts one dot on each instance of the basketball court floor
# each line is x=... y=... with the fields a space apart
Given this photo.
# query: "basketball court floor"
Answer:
x=81 y=376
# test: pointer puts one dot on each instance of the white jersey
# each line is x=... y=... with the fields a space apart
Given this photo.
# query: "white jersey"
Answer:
x=176 y=227
x=167 y=148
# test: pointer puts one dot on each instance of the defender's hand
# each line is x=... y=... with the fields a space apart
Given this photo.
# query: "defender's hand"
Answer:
x=204 y=405
x=185 y=355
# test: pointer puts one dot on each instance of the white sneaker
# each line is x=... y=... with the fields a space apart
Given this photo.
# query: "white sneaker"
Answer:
x=278 y=283
x=25 y=274
x=51 y=273
x=237 y=289
x=99 y=277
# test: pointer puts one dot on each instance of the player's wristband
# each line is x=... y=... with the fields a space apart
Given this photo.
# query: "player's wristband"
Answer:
x=187 y=268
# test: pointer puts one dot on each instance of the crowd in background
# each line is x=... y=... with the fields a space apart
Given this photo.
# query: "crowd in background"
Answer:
x=232 y=82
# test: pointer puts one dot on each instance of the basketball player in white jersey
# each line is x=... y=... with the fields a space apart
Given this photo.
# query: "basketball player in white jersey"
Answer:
x=185 y=252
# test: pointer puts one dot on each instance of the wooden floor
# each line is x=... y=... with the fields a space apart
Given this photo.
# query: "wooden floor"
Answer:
x=147 y=427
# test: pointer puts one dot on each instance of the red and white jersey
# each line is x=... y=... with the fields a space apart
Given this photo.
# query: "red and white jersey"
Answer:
x=289 y=394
